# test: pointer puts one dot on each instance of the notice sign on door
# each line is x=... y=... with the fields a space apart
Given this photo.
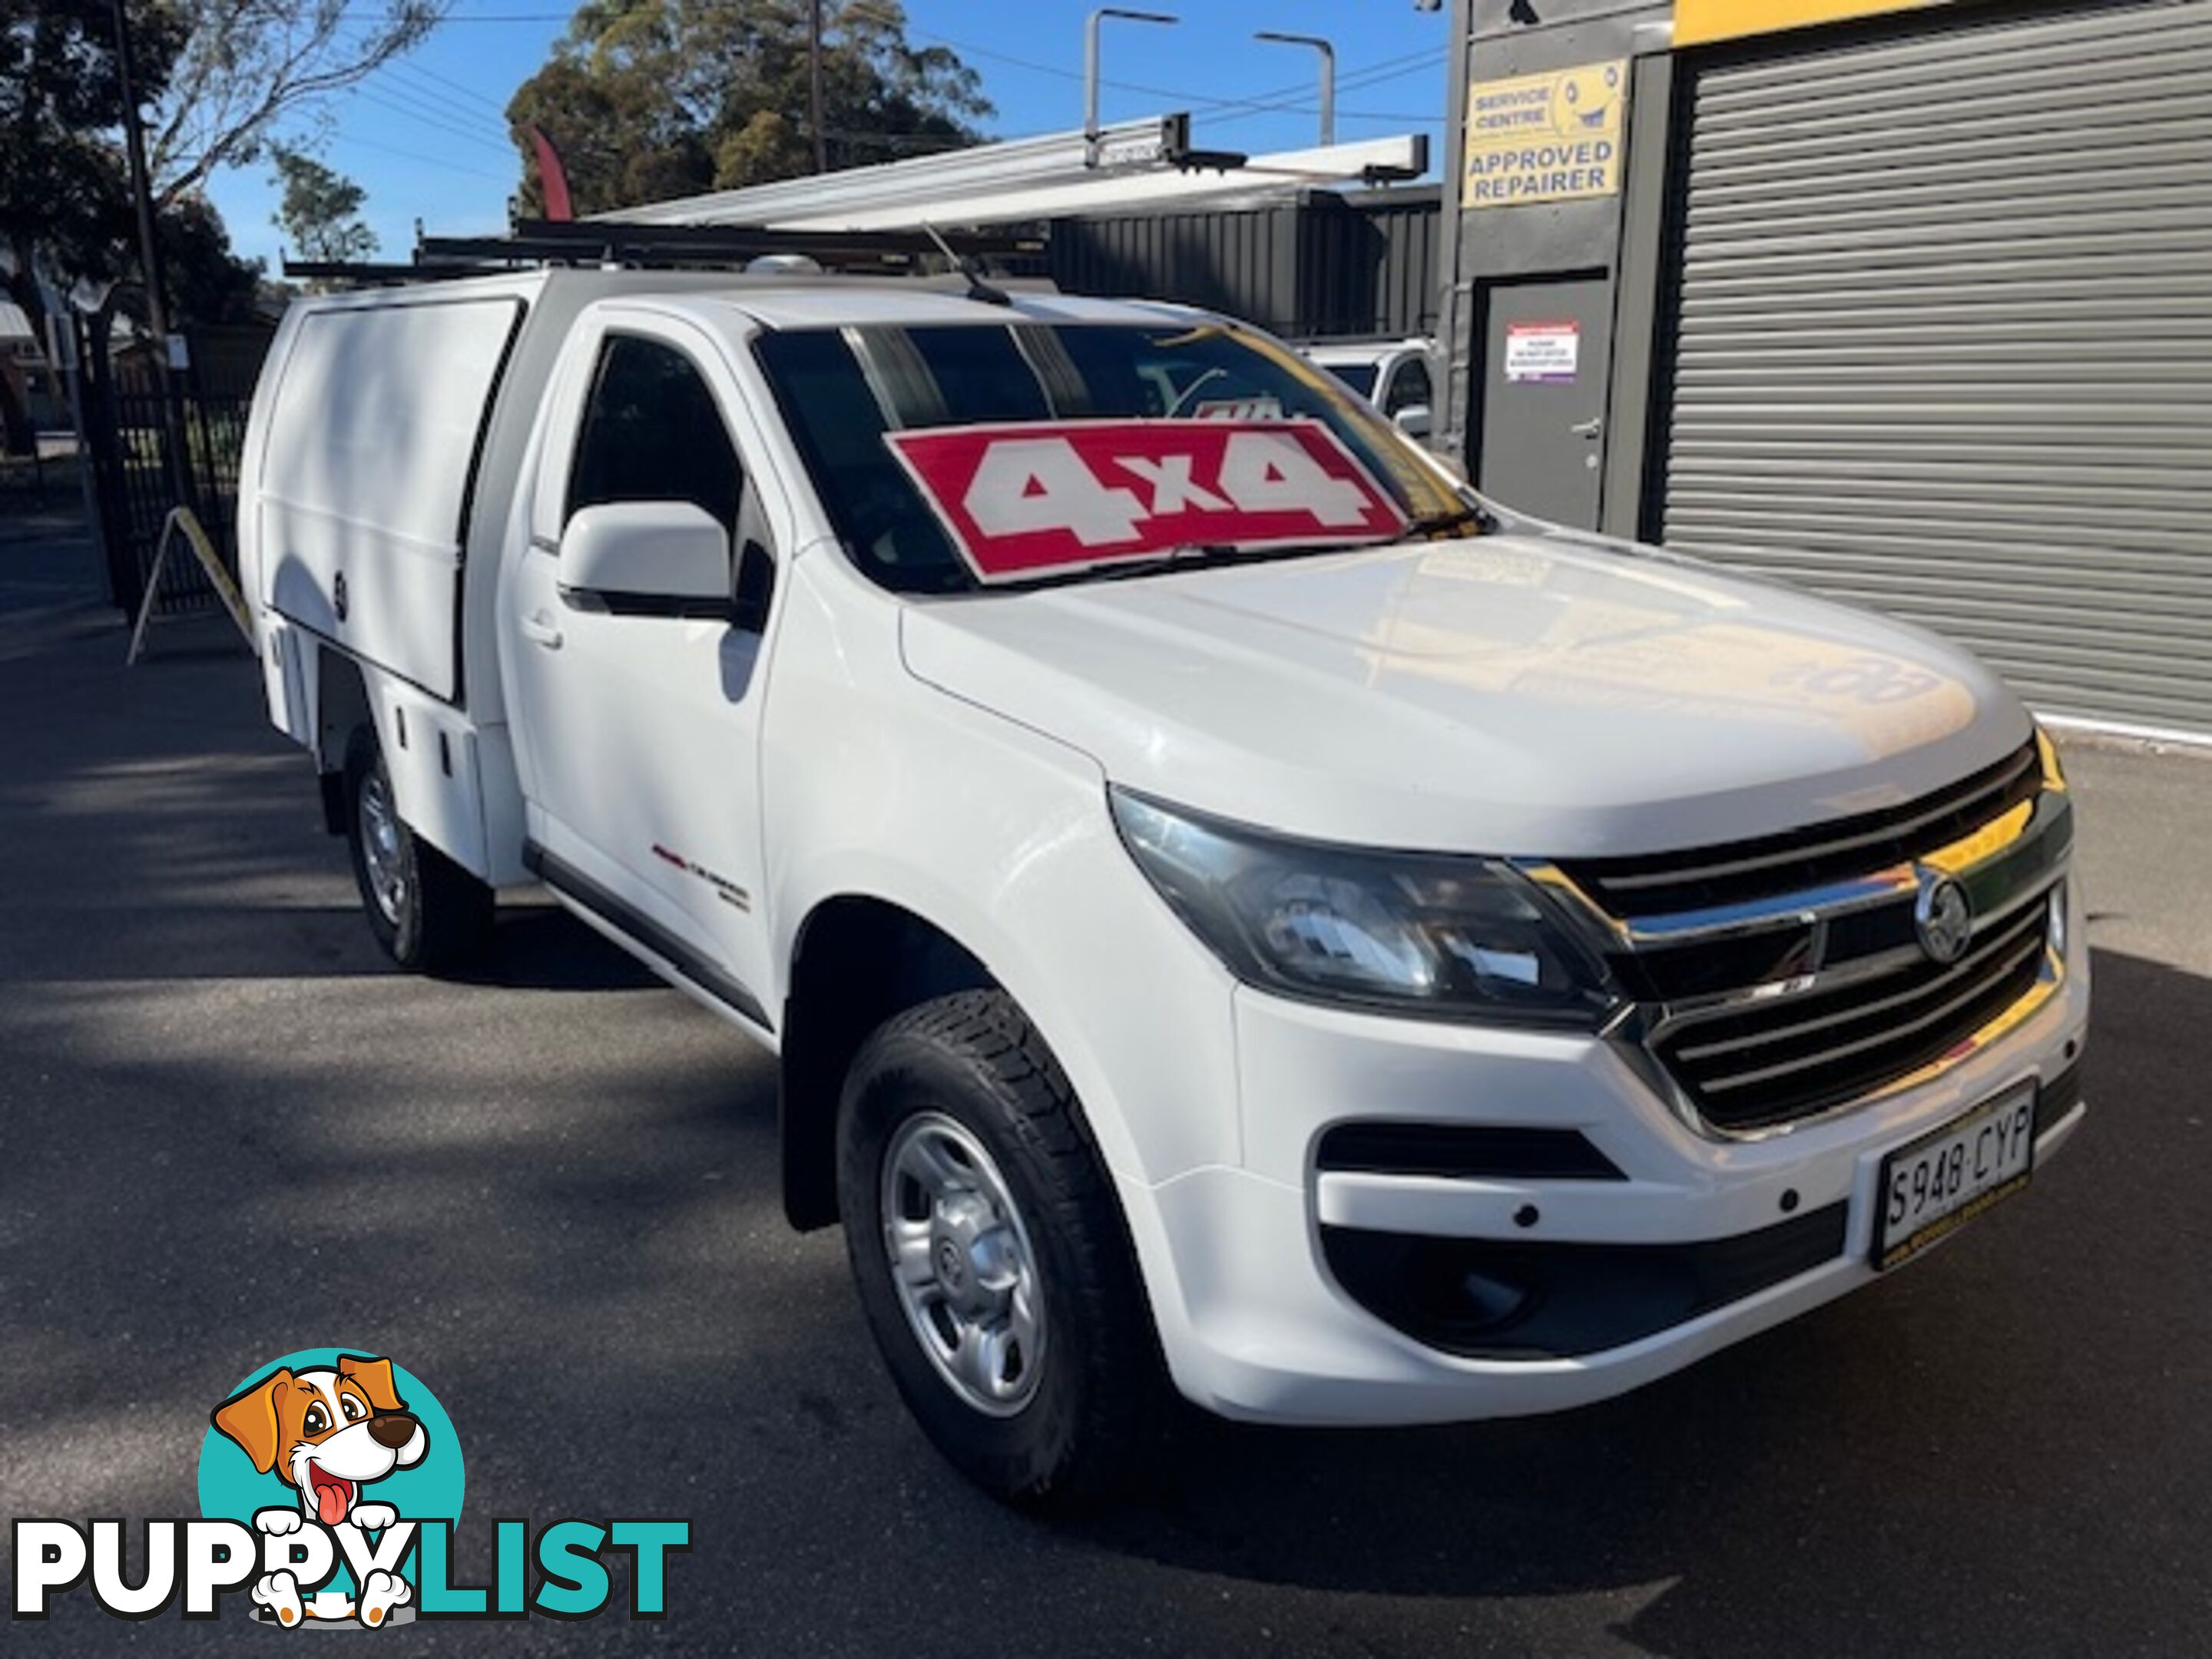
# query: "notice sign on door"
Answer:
x=1551 y=137
x=1537 y=353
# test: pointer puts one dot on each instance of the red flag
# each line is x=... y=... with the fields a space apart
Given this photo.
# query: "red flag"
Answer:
x=552 y=178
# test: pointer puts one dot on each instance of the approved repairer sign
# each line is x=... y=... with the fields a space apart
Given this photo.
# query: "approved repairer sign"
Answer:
x=1549 y=137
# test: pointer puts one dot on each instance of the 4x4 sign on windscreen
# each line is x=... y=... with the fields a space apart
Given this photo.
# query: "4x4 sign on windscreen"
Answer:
x=1035 y=498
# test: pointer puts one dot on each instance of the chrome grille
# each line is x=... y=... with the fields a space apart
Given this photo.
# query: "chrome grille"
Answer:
x=1800 y=860
x=1786 y=1057
x=1777 y=979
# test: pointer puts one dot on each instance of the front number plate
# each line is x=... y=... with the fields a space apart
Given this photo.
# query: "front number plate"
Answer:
x=1931 y=1188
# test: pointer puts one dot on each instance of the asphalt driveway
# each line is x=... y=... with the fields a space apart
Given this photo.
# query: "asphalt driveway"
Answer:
x=227 y=1130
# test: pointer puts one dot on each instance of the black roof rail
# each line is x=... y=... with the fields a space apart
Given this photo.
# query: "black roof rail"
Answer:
x=592 y=243
x=615 y=241
x=376 y=273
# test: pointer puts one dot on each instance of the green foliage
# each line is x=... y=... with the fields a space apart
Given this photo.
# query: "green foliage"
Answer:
x=62 y=190
x=321 y=213
x=211 y=78
x=650 y=98
x=206 y=283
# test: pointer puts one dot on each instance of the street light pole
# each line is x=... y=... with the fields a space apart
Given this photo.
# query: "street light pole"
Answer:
x=1091 y=67
x=1328 y=50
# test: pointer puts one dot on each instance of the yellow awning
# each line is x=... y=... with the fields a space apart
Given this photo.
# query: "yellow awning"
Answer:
x=1699 y=23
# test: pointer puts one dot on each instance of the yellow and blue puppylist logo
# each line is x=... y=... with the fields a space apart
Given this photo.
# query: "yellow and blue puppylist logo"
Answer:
x=329 y=1485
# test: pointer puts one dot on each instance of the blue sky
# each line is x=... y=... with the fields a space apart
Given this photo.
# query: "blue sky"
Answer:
x=426 y=138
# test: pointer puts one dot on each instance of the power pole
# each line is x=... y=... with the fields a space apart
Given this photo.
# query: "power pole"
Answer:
x=814 y=84
x=149 y=258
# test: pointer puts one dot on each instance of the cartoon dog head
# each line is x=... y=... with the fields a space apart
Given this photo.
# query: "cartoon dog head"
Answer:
x=328 y=1430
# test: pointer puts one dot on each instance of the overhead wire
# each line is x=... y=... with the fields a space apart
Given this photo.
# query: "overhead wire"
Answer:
x=1288 y=100
x=412 y=98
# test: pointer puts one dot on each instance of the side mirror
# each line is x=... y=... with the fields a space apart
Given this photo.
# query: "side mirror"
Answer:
x=755 y=587
x=1413 y=420
x=657 y=558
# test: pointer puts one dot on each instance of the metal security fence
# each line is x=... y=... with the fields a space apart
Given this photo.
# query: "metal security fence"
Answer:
x=1319 y=266
x=136 y=478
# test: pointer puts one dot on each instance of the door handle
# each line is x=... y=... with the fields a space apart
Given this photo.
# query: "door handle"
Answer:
x=1587 y=428
x=540 y=631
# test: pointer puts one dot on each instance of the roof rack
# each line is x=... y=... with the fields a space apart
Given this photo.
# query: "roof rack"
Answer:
x=376 y=273
x=1147 y=165
x=618 y=241
x=599 y=243
x=879 y=220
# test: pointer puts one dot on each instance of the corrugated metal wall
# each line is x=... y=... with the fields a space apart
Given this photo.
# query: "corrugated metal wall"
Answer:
x=1322 y=265
x=1945 y=335
x=1370 y=264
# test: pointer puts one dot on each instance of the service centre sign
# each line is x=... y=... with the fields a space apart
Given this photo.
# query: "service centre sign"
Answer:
x=1550 y=137
x=1036 y=498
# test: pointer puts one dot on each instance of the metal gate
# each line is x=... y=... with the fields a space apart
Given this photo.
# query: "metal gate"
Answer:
x=127 y=446
x=1944 y=338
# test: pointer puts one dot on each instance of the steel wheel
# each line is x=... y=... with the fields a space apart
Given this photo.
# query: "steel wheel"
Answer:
x=962 y=1264
x=383 y=856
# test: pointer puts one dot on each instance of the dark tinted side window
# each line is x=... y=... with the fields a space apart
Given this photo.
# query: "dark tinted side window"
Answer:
x=651 y=432
x=1360 y=377
x=1409 y=386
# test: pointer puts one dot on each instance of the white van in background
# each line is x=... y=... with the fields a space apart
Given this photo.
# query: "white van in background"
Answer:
x=1234 y=910
x=1401 y=378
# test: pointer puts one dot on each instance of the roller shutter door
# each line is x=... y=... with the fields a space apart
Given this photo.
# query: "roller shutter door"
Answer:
x=1944 y=340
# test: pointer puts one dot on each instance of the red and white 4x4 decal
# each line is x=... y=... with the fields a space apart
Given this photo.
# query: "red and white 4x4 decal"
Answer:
x=1032 y=498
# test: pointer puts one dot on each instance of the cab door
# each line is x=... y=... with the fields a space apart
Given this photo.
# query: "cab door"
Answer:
x=1408 y=396
x=637 y=698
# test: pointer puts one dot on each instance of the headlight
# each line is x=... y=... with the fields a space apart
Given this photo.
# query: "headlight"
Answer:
x=1458 y=938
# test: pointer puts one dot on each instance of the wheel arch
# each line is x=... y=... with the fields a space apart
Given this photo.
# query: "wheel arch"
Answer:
x=856 y=959
x=341 y=705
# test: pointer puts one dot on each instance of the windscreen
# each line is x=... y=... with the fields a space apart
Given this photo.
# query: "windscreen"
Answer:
x=860 y=400
x=1360 y=377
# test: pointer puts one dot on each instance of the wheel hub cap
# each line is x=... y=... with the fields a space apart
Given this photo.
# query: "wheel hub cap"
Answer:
x=380 y=847
x=961 y=1260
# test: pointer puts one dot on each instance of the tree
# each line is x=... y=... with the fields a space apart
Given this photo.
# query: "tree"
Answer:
x=320 y=212
x=215 y=76
x=246 y=64
x=205 y=281
x=63 y=207
x=650 y=98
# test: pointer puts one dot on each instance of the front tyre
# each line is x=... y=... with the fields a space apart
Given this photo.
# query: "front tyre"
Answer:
x=428 y=913
x=992 y=1260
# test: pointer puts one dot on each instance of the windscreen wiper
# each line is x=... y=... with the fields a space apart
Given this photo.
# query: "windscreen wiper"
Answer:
x=1195 y=555
x=1479 y=519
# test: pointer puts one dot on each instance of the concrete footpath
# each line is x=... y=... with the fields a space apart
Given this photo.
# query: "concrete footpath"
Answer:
x=227 y=1130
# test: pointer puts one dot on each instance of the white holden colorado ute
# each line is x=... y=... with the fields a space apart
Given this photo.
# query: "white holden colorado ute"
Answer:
x=1237 y=913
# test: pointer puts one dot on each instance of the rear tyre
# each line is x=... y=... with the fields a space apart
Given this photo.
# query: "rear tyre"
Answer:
x=428 y=913
x=990 y=1256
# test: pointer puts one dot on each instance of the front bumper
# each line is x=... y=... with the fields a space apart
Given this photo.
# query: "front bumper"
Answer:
x=1268 y=1318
